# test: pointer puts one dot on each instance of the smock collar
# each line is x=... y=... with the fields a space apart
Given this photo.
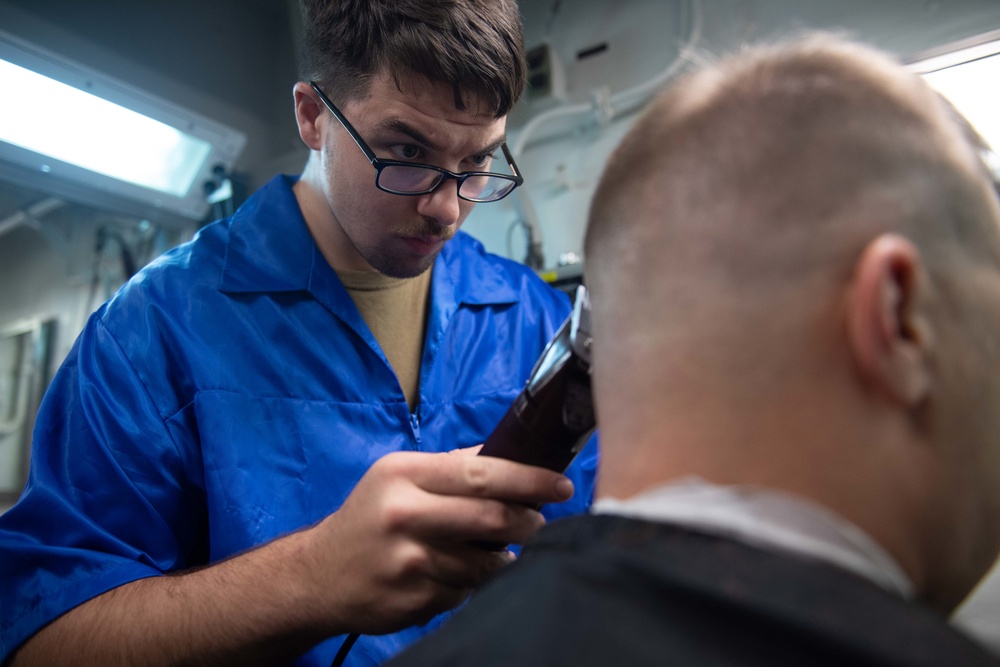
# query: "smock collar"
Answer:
x=270 y=249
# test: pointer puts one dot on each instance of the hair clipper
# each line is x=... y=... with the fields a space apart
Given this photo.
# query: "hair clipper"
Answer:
x=553 y=416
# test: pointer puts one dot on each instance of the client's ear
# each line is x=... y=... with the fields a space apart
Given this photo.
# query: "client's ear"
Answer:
x=888 y=329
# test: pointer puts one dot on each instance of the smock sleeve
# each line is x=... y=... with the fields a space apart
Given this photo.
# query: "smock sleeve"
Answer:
x=109 y=499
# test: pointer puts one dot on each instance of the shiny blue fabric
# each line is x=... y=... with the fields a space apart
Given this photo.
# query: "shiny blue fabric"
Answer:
x=231 y=393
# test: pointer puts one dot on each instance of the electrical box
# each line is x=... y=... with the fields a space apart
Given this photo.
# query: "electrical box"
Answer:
x=546 y=77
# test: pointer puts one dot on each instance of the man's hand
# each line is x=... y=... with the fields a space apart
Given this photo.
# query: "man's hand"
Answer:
x=398 y=551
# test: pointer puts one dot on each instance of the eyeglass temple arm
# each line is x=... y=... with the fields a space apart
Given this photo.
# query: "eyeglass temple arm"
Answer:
x=513 y=165
x=347 y=126
x=374 y=158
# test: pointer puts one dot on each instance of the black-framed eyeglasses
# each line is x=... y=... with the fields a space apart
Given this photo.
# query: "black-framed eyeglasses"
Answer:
x=413 y=178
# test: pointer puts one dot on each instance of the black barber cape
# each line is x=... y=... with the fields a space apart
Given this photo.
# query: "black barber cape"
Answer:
x=611 y=591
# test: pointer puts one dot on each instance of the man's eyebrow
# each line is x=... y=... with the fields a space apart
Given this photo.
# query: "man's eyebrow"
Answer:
x=495 y=145
x=401 y=127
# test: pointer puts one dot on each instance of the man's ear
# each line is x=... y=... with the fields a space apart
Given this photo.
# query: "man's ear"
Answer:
x=888 y=329
x=308 y=111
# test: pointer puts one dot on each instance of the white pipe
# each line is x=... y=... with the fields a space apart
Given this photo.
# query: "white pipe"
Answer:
x=624 y=98
x=545 y=117
x=31 y=215
x=644 y=90
x=641 y=90
x=22 y=384
x=12 y=222
x=530 y=215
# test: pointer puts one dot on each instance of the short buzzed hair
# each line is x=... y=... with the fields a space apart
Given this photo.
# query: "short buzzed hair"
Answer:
x=810 y=139
x=475 y=46
x=730 y=217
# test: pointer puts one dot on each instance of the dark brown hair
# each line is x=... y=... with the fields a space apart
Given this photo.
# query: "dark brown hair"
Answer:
x=475 y=46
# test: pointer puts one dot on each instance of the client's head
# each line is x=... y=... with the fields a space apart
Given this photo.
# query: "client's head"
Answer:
x=794 y=266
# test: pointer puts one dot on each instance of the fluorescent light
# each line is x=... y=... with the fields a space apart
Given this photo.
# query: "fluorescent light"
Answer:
x=68 y=124
x=80 y=135
x=968 y=77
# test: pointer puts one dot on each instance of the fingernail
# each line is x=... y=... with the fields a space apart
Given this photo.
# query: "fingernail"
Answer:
x=564 y=488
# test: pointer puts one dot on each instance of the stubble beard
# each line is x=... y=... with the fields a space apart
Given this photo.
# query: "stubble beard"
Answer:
x=391 y=264
x=382 y=258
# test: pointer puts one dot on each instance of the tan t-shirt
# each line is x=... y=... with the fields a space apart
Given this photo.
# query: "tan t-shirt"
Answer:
x=395 y=309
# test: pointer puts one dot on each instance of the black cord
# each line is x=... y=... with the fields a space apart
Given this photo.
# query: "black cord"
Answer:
x=550 y=21
x=510 y=230
x=533 y=251
x=345 y=648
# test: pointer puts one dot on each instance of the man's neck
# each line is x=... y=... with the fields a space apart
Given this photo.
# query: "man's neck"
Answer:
x=335 y=247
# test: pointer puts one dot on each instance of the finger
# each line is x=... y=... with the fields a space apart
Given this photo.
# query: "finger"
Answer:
x=461 y=565
x=489 y=477
x=426 y=516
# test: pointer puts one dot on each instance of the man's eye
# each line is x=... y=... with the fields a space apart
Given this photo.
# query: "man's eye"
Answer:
x=481 y=161
x=406 y=151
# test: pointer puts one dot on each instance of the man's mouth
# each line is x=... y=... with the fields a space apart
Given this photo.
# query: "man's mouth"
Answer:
x=424 y=245
x=424 y=237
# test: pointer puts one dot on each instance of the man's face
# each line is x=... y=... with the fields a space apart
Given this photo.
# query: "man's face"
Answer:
x=397 y=235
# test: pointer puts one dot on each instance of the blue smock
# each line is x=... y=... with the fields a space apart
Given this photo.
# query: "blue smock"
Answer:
x=231 y=393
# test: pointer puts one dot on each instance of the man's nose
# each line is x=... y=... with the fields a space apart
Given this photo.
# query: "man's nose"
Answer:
x=443 y=205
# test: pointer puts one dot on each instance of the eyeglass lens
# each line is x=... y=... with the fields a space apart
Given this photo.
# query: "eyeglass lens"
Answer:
x=409 y=180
